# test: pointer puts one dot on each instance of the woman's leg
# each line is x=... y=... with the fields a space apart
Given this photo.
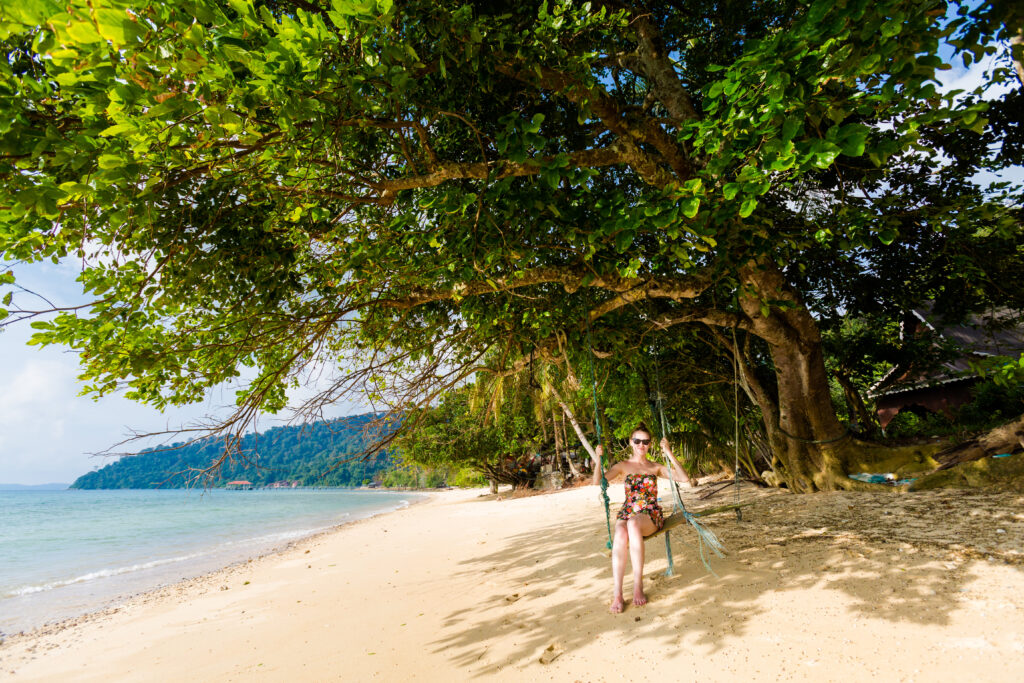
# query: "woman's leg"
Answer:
x=620 y=545
x=637 y=528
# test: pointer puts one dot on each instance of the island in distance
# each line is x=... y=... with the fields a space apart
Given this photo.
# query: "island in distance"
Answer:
x=307 y=454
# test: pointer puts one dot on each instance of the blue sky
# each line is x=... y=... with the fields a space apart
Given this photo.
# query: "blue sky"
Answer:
x=48 y=431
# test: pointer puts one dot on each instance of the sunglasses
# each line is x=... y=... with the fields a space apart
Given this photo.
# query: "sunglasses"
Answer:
x=644 y=442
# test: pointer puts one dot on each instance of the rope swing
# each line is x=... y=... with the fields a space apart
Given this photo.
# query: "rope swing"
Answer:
x=736 y=422
x=705 y=537
x=597 y=431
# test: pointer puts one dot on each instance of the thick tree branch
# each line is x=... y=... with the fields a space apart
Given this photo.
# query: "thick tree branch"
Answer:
x=629 y=133
x=687 y=287
x=658 y=68
x=443 y=172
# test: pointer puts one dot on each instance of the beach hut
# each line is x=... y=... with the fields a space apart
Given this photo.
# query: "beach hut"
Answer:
x=240 y=485
x=946 y=388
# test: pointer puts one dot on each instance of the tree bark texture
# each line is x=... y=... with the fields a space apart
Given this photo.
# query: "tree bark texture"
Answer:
x=802 y=427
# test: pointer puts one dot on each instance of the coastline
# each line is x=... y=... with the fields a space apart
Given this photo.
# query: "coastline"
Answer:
x=462 y=586
x=142 y=588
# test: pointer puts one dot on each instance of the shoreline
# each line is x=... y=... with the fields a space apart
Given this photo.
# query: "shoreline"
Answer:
x=116 y=602
x=816 y=587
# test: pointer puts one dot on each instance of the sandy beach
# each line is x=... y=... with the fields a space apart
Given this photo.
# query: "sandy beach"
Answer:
x=915 y=587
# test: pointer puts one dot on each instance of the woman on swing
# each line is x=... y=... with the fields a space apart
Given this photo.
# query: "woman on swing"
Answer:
x=641 y=514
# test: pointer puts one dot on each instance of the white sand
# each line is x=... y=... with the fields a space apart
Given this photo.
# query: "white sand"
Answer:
x=917 y=587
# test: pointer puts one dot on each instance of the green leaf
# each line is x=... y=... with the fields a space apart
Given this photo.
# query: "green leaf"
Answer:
x=624 y=240
x=818 y=10
x=891 y=28
x=824 y=153
x=115 y=27
x=111 y=161
x=791 y=127
x=84 y=32
x=853 y=144
x=748 y=206
x=118 y=129
x=690 y=206
x=868 y=64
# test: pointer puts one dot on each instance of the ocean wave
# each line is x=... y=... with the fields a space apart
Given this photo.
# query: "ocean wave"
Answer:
x=99 y=574
x=253 y=544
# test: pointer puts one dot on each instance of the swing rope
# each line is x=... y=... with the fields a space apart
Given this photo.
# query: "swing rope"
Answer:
x=736 y=422
x=597 y=431
x=705 y=537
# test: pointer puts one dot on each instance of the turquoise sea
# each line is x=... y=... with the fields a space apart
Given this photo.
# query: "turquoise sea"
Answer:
x=65 y=553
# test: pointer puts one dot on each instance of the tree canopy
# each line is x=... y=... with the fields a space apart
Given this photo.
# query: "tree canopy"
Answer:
x=411 y=193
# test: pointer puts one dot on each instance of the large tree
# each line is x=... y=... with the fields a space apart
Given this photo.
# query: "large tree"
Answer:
x=416 y=191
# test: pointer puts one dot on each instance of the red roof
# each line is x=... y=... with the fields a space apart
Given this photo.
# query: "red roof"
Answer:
x=240 y=483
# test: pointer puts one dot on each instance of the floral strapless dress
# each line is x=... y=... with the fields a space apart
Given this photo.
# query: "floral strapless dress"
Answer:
x=641 y=498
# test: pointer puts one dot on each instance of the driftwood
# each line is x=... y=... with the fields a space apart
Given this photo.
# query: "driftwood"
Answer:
x=1004 y=439
x=718 y=487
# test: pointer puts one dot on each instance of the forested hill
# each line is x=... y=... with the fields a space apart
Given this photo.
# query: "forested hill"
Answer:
x=305 y=454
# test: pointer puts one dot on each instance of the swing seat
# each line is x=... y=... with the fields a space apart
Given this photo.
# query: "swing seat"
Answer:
x=671 y=522
x=678 y=518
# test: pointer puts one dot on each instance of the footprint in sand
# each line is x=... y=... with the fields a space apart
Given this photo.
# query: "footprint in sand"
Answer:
x=553 y=652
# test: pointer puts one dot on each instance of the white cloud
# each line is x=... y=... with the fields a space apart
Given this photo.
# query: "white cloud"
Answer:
x=977 y=75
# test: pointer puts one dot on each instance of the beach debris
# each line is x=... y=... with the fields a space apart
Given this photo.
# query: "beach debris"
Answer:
x=553 y=652
x=886 y=478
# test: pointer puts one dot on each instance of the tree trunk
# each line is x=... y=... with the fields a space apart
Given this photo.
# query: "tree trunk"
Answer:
x=565 y=463
x=565 y=441
x=811 y=448
x=575 y=424
x=558 y=443
x=1016 y=50
x=802 y=427
x=856 y=403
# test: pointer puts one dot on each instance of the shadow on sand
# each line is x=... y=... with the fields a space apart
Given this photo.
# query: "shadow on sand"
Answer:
x=564 y=583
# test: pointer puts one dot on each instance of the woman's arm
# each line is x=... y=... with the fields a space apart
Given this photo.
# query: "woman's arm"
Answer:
x=677 y=473
x=609 y=473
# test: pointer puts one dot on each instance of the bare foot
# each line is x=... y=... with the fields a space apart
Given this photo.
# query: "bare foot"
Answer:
x=639 y=599
x=618 y=604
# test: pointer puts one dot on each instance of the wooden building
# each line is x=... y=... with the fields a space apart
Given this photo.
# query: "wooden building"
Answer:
x=943 y=389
